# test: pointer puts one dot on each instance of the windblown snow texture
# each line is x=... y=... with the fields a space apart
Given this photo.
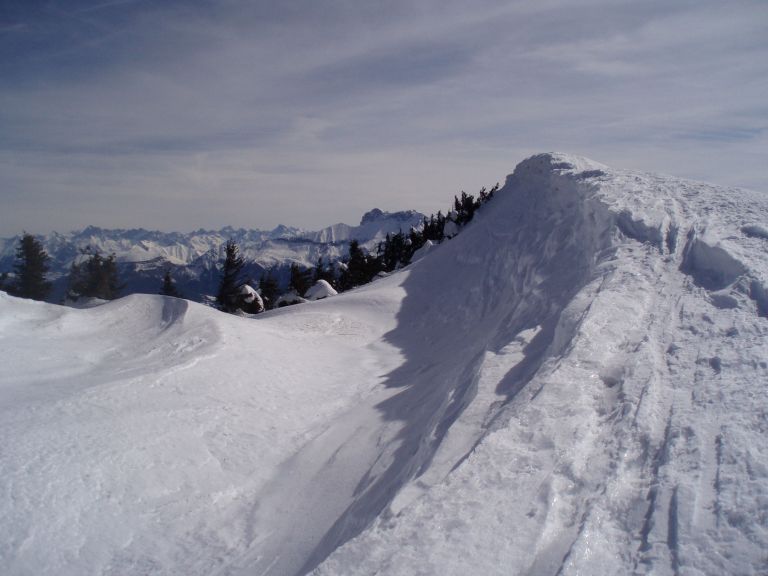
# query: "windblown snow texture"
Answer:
x=618 y=397
x=575 y=384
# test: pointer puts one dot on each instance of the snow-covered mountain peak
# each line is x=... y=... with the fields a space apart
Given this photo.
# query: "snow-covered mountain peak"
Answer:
x=371 y=216
x=283 y=231
x=376 y=215
x=374 y=226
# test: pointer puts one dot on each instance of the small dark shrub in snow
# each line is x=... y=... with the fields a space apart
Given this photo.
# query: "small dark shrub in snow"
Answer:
x=169 y=287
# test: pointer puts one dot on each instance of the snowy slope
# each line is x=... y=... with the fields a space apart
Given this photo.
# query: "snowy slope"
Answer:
x=617 y=408
x=143 y=436
x=576 y=384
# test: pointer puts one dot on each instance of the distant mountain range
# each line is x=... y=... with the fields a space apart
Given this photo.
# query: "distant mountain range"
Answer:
x=194 y=258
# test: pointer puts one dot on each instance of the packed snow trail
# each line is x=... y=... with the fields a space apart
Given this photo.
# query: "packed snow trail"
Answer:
x=575 y=384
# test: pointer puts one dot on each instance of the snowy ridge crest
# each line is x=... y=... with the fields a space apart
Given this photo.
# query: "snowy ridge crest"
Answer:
x=674 y=215
x=612 y=327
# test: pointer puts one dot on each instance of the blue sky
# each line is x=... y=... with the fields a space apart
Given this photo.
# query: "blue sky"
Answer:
x=178 y=115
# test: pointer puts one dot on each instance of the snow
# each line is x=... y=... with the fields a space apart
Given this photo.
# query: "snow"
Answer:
x=142 y=435
x=321 y=289
x=289 y=298
x=451 y=228
x=628 y=434
x=250 y=295
x=575 y=384
x=421 y=252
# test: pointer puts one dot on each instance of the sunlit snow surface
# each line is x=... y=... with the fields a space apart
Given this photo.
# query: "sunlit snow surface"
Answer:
x=576 y=384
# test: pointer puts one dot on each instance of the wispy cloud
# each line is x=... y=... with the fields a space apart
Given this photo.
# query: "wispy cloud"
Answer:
x=225 y=105
x=105 y=5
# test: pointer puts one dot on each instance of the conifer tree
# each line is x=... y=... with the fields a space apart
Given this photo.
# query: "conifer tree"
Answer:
x=169 y=287
x=386 y=253
x=323 y=272
x=416 y=240
x=30 y=269
x=354 y=275
x=465 y=207
x=361 y=267
x=97 y=277
x=485 y=196
x=318 y=270
x=300 y=279
x=269 y=289
x=433 y=228
x=394 y=251
x=230 y=278
x=109 y=284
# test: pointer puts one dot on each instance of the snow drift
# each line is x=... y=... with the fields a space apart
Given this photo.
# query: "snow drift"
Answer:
x=574 y=384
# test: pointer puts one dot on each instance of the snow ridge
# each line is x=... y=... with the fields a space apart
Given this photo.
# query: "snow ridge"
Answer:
x=600 y=367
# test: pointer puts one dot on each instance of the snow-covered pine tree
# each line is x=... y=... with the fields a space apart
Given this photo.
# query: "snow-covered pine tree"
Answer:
x=486 y=195
x=30 y=269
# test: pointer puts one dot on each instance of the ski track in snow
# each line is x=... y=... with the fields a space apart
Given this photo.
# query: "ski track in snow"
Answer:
x=576 y=384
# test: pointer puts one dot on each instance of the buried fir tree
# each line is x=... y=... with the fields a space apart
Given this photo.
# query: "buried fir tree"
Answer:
x=30 y=269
